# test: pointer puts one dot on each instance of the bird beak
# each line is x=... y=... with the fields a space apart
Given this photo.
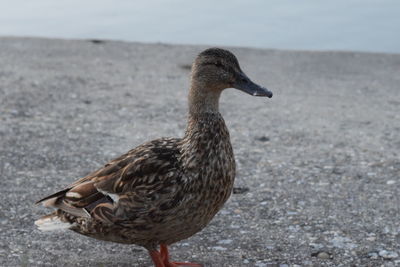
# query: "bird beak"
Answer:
x=244 y=84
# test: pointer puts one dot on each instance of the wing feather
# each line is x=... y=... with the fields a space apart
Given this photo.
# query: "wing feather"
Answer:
x=140 y=169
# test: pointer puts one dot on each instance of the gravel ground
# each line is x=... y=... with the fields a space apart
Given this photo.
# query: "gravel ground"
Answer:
x=318 y=164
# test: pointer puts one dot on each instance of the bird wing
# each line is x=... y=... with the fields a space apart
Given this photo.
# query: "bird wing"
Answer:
x=125 y=186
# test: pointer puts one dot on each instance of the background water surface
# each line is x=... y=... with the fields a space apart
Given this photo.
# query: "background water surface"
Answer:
x=362 y=25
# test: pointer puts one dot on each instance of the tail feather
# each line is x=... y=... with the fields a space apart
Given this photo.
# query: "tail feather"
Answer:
x=55 y=195
x=52 y=222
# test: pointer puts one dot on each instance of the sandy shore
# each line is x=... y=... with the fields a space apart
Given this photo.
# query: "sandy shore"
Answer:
x=318 y=164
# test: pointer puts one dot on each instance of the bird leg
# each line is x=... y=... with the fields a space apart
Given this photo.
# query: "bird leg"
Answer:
x=165 y=258
x=157 y=259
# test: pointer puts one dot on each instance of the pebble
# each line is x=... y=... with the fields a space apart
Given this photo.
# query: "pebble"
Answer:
x=263 y=138
x=237 y=211
x=390 y=182
x=373 y=255
x=260 y=264
x=219 y=248
x=386 y=230
x=343 y=242
x=225 y=241
x=323 y=255
x=388 y=254
x=316 y=245
x=240 y=190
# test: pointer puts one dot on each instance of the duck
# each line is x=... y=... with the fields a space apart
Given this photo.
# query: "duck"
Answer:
x=167 y=189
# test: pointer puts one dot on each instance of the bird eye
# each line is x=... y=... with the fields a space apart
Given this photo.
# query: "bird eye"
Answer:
x=218 y=64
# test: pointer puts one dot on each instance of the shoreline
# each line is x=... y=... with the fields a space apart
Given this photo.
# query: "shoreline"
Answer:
x=196 y=45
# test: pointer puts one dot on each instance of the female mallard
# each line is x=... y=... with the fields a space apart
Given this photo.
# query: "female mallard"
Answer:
x=167 y=189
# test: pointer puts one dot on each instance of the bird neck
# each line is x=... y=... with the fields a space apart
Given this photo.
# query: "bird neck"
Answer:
x=205 y=123
x=206 y=137
x=203 y=100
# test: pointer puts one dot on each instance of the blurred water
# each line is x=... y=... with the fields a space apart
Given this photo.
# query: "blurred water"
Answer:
x=362 y=25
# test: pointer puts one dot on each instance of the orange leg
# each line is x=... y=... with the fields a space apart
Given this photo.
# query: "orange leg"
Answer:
x=156 y=257
x=165 y=258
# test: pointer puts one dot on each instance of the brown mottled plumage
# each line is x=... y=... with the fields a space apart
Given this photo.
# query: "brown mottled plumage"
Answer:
x=167 y=189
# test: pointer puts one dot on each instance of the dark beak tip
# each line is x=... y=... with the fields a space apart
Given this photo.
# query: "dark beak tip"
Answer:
x=263 y=93
x=266 y=93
